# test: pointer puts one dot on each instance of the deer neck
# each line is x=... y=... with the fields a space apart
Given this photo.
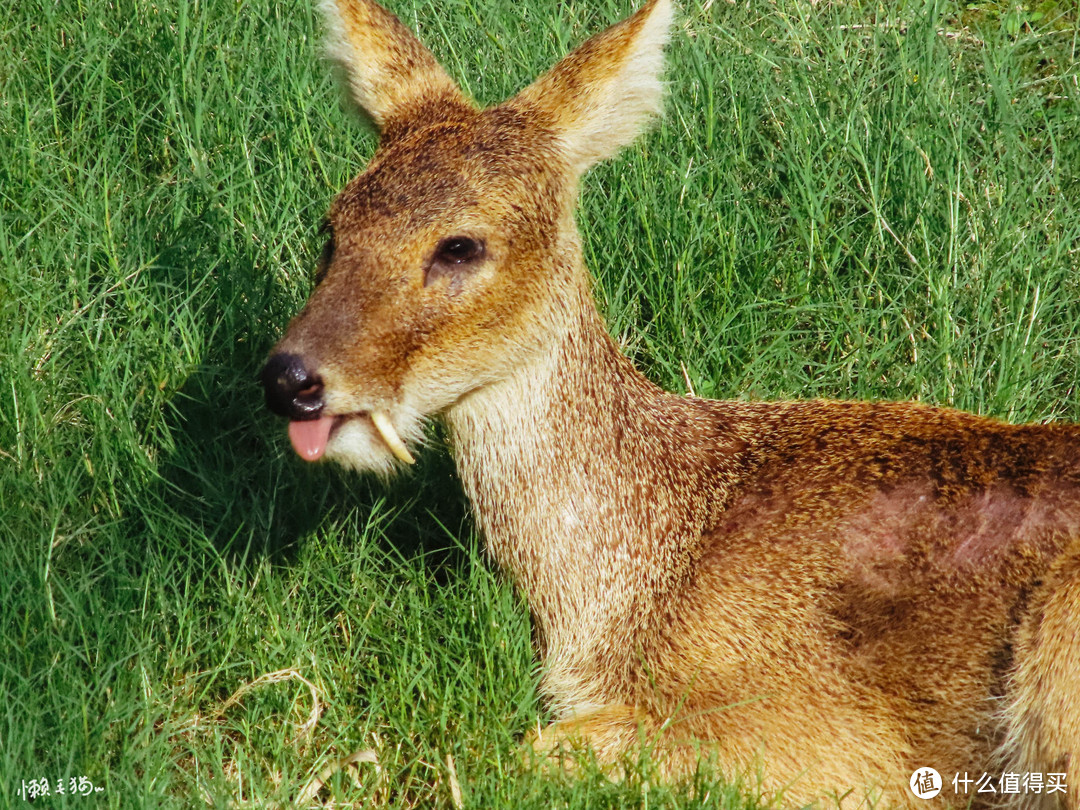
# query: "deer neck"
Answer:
x=592 y=486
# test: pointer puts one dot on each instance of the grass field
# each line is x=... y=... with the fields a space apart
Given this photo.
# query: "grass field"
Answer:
x=855 y=200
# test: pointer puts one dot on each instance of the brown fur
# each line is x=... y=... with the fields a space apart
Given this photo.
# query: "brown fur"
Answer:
x=830 y=594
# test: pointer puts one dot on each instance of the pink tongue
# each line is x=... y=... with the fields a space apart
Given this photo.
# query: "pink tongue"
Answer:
x=309 y=438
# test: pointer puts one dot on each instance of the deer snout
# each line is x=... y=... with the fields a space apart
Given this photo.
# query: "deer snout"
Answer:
x=293 y=389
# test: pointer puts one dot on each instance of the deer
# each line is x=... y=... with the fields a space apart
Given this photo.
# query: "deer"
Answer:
x=824 y=596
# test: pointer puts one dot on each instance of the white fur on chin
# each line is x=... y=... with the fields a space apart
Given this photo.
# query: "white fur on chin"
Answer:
x=357 y=445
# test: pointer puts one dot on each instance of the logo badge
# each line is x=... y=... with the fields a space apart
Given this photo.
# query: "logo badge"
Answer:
x=926 y=783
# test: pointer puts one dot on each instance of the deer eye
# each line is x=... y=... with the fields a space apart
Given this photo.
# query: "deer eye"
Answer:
x=459 y=249
x=455 y=257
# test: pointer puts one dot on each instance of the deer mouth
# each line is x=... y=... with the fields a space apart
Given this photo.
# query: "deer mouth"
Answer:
x=310 y=437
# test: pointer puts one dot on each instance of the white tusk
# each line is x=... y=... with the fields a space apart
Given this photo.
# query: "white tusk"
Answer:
x=386 y=430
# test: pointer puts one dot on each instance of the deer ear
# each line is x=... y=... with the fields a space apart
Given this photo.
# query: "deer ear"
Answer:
x=601 y=96
x=390 y=73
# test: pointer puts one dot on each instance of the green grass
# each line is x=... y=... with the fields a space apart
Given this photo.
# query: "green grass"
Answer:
x=845 y=200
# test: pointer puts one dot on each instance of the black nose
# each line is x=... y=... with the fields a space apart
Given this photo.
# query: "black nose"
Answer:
x=292 y=389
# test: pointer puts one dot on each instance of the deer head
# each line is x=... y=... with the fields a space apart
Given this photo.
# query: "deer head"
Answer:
x=453 y=258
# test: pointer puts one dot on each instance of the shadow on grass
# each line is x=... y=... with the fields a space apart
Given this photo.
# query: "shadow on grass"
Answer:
x=233 y=478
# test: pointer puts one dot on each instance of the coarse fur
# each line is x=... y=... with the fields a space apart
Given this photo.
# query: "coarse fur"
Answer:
x=825 y=595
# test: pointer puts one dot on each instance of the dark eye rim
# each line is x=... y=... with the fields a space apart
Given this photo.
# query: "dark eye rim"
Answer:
x=459 y=249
